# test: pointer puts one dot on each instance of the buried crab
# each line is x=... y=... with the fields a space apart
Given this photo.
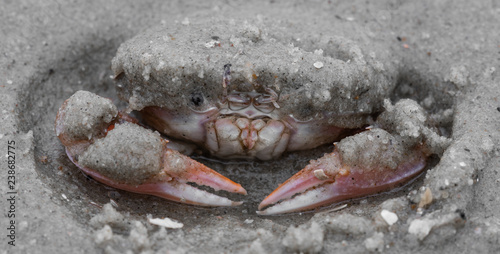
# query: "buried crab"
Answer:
x=272 y=98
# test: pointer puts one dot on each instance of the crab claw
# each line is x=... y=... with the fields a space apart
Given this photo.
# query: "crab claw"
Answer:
x=352 y=170
x=111 y=148
x=171 y=182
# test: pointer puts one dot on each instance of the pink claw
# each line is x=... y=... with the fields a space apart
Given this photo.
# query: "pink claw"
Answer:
x=174 y=187
x=328 y=180
x=89 y=125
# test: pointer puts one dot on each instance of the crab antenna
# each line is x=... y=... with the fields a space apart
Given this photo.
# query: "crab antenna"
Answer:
x=274 y=97
x=226 y=79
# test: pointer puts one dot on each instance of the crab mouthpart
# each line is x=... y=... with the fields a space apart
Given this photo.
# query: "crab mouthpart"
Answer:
x=328 y=180
x=240 y=137
x=224 y=135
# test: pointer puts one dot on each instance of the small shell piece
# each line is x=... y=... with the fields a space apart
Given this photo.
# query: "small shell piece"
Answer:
x=389 y=217
x=165 y=222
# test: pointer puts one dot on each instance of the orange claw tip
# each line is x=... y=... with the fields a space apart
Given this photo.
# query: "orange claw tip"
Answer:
x=186 y=169
x=310 y=192
x=298 y=183
x=308 y=200
x=202 y=175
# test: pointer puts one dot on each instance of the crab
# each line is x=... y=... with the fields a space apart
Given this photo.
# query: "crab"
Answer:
x=242 y=92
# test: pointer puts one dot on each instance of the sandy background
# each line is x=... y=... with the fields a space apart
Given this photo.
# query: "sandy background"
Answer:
x=448 y=53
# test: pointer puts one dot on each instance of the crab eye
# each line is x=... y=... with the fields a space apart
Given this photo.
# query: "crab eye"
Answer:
x=197 y=98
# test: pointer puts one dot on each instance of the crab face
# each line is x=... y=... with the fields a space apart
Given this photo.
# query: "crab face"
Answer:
x=241 y=92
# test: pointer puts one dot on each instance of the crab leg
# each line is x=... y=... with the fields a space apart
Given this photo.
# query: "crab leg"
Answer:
x=111 y=148
x=367 y=163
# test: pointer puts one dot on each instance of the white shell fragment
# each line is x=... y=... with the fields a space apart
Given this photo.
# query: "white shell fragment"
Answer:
x=420 y=227
x=165 y=222
x=318 y=65
x=320 y=174
x=389 y=217
x=212 y=44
